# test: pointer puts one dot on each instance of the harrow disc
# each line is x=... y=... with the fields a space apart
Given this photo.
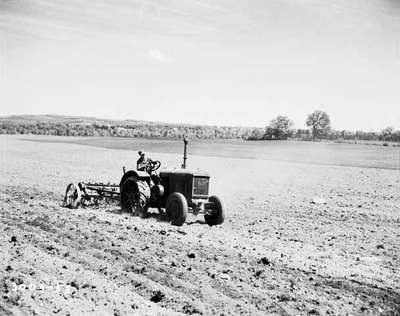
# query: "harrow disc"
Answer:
x=73 y=196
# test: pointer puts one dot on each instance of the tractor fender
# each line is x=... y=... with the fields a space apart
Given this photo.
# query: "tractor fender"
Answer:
x=139 y=175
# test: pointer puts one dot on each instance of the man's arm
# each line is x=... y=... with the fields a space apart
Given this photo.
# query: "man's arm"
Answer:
x=141 y=164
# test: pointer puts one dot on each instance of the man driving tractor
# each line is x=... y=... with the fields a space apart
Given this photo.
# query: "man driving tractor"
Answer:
x=142 y=162
x=148 y=165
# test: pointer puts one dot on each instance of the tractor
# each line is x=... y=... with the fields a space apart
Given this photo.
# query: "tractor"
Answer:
x=174 y=193
x=177 y=191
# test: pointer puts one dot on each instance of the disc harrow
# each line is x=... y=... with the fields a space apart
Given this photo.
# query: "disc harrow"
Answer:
x=88 y=193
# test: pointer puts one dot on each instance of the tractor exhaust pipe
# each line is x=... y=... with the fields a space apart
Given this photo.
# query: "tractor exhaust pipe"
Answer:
x=185 y=142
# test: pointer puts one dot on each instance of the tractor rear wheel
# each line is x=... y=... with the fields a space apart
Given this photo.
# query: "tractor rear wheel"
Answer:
x=215 y=215
x=177 y=208
x=135 y=196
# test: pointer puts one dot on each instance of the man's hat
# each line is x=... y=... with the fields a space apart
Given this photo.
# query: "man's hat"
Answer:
x=140 y=152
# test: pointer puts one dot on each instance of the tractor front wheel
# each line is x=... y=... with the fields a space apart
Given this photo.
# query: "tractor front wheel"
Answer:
x=215 y=215
x=177 y=208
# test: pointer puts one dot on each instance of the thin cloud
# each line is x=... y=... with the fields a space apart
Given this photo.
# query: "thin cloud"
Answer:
x=159 y=56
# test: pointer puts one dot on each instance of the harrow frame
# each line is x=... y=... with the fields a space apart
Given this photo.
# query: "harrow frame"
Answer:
x=85 y=193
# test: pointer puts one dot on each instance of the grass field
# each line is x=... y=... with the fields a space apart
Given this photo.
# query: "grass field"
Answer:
x=276 y=253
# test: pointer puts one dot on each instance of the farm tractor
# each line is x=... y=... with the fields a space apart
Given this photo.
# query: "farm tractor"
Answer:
x=174 y=193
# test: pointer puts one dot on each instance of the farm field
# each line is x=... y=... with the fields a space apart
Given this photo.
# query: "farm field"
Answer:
x=323 y=153
x=277 y=252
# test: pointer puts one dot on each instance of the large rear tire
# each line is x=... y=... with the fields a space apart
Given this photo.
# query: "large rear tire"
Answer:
x=216 y=214
x=177 y=208
x=135 y=196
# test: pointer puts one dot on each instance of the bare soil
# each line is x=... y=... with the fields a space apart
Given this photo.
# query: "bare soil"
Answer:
x=277 y=252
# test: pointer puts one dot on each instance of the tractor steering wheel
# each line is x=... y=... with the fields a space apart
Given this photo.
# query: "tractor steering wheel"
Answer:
x=153 y=165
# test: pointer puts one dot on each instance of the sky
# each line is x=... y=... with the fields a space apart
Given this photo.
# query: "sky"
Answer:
x=216 y=62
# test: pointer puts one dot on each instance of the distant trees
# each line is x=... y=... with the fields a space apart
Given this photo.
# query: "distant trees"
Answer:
x=319 y=126
x=319 y=123
x=278 y=128
x=387 y=133
x=256 y=134
x=122 y=129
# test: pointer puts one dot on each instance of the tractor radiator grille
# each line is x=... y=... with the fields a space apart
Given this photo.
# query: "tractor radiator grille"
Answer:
x=200 y=185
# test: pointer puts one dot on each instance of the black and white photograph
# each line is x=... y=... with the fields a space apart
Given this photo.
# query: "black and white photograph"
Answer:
x=199 y=157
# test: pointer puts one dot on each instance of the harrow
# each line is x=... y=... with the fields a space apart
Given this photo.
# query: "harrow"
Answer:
x=87 y=193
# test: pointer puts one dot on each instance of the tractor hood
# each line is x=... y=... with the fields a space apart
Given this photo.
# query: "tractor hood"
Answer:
x=194 y=172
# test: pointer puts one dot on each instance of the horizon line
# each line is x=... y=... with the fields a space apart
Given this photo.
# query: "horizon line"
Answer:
x=74 y=116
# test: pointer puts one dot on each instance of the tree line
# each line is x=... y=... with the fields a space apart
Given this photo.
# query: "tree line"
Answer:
x=318 y=126
x=136 y=129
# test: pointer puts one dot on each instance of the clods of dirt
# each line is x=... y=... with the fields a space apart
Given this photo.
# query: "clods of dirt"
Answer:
x=157 y=296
